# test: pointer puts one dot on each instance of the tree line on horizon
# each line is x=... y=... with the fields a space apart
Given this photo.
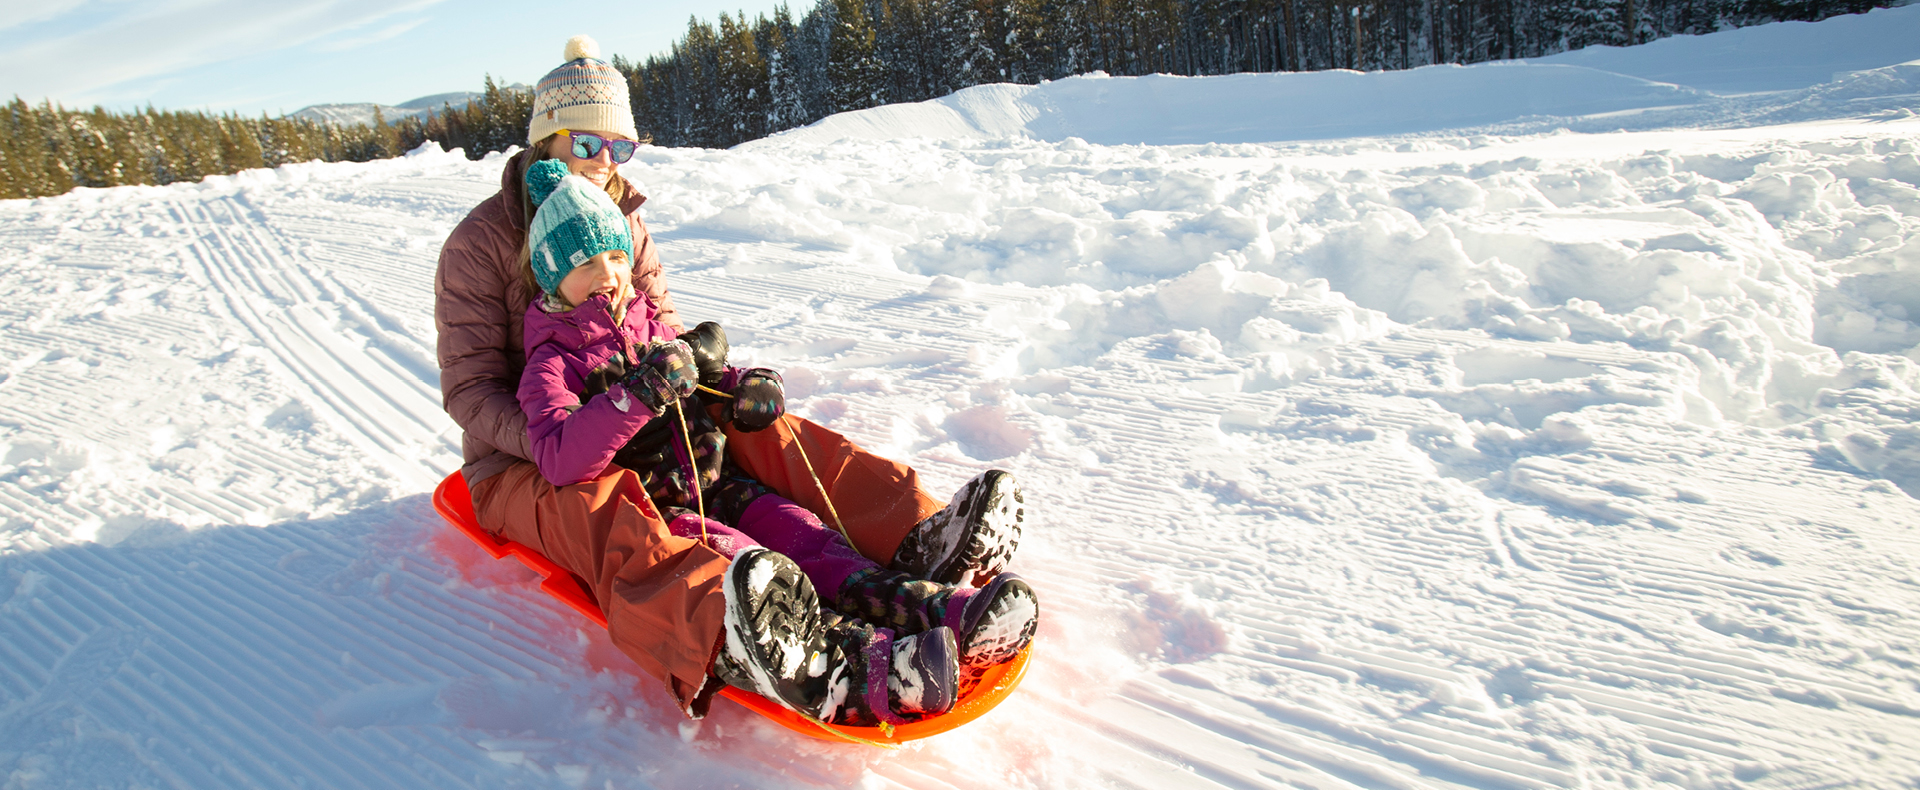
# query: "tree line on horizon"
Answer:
x=50 y=150
x=727 y=83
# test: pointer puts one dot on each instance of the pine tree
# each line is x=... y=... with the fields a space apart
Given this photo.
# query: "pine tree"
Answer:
x=900 y=37
x=656 y=91
x=852 y=62
x=1028 y=45
x=743 y=99
x=490 y=115
x=239 y=148
x=1584 y=23
x=28 y=165
x=697 y=86
x=786 y=106
x=975 y=58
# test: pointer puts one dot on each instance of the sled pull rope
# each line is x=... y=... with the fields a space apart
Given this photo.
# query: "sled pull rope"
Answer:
x=831 y=511
x=884 y=727
x=693 y=471
x=818 y=485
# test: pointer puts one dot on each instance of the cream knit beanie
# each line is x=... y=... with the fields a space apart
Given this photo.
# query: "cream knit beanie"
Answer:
x=585 y=94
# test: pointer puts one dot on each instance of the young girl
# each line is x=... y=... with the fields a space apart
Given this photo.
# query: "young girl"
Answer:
x=601 y=379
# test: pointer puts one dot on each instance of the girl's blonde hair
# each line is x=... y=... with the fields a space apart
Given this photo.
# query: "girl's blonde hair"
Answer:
x=616 y=189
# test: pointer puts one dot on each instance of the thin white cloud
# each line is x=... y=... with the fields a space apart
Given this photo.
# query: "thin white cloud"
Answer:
x=172 y=36
x=38 y=11
x=391 y=31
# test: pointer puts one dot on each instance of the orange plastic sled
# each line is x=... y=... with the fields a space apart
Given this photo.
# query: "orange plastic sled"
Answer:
x=455 y=504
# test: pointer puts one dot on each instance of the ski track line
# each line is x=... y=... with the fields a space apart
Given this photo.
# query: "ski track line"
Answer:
x=1207 y=757
x=1436 y=758
x=68 y=407
x=389 y=413
x=360 y=310
x=378 y=290
x=1332 y=759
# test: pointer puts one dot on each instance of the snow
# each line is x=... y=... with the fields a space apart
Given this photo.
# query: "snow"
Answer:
x=1514 y=447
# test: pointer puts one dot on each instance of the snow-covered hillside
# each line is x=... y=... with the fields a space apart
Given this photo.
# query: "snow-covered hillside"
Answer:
x=1471 y=458
x=1844 y=67
x=1785 y=56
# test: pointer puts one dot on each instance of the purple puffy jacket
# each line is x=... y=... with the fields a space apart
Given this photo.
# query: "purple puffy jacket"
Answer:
x=572 y=442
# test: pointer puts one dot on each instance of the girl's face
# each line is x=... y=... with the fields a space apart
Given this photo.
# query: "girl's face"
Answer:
x=608 y=273
x=598 y=169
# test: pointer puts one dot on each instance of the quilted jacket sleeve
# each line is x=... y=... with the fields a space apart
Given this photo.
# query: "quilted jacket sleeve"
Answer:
x=477 y=380
x=573 y=442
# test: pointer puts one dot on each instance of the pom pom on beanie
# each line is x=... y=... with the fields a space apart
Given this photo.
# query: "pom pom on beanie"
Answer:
x=544 y=177
x=581 y=47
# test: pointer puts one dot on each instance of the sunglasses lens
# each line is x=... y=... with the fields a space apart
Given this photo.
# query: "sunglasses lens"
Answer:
x=587 y=146
x=622 y=149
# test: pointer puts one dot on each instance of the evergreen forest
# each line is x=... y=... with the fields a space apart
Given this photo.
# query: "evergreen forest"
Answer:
x=738 y=80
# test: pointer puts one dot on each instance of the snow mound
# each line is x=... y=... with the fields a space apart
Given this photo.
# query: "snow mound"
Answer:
x=1763 y=265
x=1246 y=108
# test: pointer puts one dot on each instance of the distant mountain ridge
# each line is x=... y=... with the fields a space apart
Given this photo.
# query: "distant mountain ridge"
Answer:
x=362 y=113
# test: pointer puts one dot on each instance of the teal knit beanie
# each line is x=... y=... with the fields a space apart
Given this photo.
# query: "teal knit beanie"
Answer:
x=576 y=221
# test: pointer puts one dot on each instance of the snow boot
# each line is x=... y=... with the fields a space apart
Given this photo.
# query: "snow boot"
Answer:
x=775 y=644
x=990 y=624
x=880 y=678
x=972 y=538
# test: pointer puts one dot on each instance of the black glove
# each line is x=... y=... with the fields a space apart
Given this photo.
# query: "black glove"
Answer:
x=666 y=481
x=759 y=399
x=664 y=373
x=709 y=344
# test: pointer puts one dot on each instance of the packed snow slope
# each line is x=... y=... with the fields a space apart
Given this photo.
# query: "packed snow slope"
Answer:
x=1515 y=461
x=1679 y=82
x=1779 y=57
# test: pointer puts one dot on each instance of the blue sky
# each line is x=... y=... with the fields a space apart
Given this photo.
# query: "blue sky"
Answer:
x=256 y=56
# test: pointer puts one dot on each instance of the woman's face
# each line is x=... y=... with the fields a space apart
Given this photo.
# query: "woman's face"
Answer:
x=607 y=273
x=598 y=169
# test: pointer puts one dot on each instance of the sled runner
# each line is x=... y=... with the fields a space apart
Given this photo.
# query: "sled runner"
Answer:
x=455 y=504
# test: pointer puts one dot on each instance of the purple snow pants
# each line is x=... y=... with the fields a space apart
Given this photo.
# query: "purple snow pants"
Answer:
x=777 y=523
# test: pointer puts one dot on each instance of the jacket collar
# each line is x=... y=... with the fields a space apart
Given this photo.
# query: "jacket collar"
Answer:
x=591 y=318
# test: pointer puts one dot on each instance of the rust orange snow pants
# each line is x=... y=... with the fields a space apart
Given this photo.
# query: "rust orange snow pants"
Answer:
x=661 y=593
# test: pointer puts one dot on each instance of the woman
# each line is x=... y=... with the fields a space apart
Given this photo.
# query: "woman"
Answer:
x=673 y=604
